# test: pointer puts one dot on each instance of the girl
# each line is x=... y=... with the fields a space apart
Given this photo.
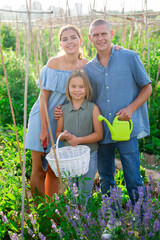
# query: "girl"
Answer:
x=81 y=125
x=54 y=79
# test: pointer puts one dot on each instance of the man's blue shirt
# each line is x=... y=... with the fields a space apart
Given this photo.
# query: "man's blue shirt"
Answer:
x=116 y=86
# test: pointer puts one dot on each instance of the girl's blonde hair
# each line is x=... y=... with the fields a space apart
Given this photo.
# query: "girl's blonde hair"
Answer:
x=83 y=75
x=75 y=29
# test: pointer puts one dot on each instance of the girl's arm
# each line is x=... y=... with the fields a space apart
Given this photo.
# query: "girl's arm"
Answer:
x=97 y=134
x=44 y=135
x=67 y=136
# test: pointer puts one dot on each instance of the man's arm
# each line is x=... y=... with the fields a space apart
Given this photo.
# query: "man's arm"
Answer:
x=125 y=114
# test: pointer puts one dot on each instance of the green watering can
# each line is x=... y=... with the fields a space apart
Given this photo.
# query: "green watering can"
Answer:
x=120 y=130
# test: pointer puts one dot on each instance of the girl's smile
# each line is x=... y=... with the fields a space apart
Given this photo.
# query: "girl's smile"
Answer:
x=77 y=89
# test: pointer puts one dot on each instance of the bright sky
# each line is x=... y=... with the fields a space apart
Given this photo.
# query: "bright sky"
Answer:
x=129 y=5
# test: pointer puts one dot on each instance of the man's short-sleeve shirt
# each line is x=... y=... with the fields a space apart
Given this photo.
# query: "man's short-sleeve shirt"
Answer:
x=116 y=86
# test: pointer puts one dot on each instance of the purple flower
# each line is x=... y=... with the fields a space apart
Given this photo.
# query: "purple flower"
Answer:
x=112 y=218
x=41 y=236
x=56 y=197
x=32 y=219
x=4 y=218
x=150 y=234
x=13 y=236
x=54 y=225
x=156 y=226
x=56 y=211
x=29 y=231
x=75 y=190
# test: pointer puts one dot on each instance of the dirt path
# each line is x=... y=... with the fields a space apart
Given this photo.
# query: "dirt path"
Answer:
x=154 y=174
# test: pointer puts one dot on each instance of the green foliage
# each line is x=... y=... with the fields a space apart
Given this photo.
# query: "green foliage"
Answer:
x=9 y=152
x=62 y=217
x=8 y=37
x=15 y=69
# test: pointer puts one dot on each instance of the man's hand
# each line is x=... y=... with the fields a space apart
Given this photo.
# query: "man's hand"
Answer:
x=58 y=112
x=125 y=114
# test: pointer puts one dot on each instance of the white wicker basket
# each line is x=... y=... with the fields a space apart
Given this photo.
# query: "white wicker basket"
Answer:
x=72 y=160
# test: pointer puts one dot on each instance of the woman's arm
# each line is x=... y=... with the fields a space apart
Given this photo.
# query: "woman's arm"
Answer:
x=97 y=134
x=44 y=135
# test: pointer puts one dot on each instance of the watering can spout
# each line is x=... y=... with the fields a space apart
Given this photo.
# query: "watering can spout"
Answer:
x=100 y=118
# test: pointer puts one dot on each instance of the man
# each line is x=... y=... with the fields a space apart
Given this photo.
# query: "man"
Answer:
x=121 y=87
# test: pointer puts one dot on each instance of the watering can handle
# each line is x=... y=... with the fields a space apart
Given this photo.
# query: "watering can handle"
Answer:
x=131 y=123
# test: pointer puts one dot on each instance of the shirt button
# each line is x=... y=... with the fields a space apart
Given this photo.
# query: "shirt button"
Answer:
x=108 y=100
x=110 y=114
x=106 y=74
x=107 y=87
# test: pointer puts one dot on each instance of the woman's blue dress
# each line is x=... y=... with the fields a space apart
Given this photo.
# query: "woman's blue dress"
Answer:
x=55 y=81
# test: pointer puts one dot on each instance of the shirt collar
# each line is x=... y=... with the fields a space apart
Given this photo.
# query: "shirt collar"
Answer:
x=71 y=108
x=96 y=59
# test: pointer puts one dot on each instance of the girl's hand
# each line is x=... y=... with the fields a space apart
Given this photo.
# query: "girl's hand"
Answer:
x=67 y=135
x=44 y=135
x=73 y=141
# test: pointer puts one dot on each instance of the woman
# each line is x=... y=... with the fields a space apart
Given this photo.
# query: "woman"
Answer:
x=54 y=79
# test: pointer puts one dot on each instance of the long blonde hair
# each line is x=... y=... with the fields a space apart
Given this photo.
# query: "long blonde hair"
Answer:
x=83 y=75
x=75 y=29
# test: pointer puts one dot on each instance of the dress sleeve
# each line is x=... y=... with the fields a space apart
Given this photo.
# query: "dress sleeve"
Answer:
x=54 y=80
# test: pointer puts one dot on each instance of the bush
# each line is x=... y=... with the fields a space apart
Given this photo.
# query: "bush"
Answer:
x=8 y=37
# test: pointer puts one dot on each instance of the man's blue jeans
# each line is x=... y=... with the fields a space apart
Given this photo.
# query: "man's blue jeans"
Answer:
x=129 y=155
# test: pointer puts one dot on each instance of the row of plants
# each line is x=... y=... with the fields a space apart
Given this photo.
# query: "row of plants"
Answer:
x=16 y=67
x=65 y=217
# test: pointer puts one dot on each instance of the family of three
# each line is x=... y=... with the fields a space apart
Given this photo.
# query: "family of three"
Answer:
x=113 y=83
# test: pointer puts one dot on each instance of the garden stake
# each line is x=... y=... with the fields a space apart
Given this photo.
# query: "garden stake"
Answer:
x=14 y=122
x=45 y=107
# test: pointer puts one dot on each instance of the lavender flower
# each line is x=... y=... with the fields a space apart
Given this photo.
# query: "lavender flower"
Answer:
x=156 y=226
x=4 y=218
x=56 y=197
x=13 y=236
x=29 y=231
x=41 y=236
x=75 y=190
x=57 y=211
x=112 y=217
x=54 y=225
x=150 y=235
x=32 y=219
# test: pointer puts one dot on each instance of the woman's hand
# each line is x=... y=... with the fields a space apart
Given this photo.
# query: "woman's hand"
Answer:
x=117 y=47
x=44 y=135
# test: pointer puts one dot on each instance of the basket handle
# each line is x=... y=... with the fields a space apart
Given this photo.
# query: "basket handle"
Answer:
x=57 y=142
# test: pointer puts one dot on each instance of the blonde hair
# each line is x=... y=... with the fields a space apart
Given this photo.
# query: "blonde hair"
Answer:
x=98 y=22
x=75 y=29
x=83 y=75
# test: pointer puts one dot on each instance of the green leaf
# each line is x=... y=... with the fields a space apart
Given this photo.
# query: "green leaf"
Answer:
x=11 y=196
